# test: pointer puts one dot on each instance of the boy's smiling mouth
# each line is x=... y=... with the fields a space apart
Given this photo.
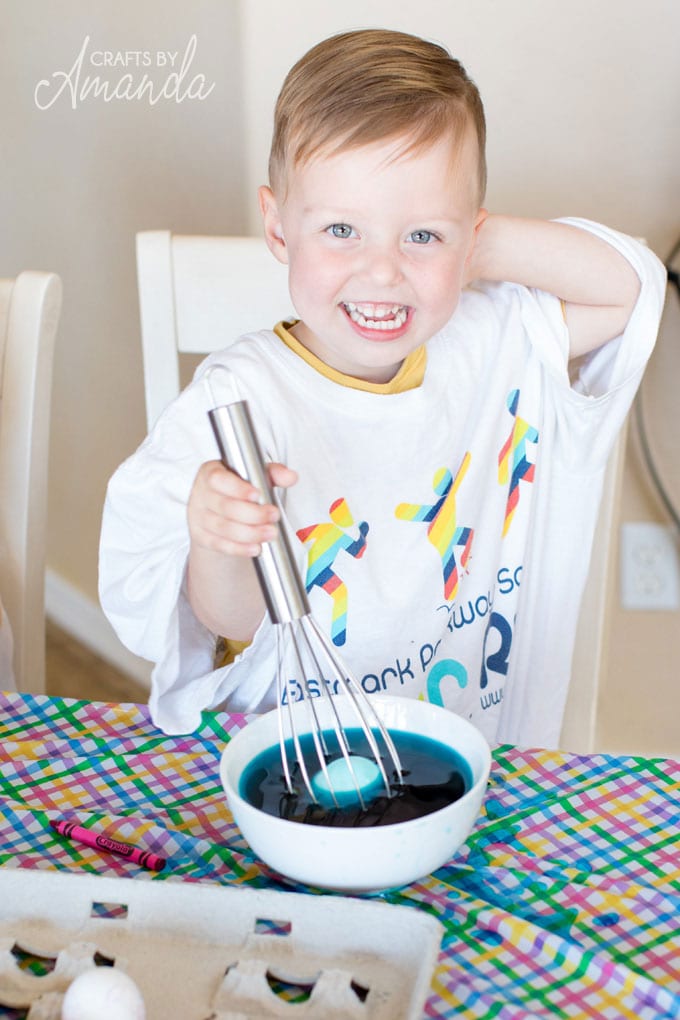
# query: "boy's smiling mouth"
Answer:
x=382 y=318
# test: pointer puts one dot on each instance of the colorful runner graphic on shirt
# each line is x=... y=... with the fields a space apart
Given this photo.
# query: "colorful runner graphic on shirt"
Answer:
x=326 y=540
x=513 y=464
x=442 y=531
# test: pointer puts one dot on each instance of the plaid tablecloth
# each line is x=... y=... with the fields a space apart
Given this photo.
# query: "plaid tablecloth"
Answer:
x=565 y=901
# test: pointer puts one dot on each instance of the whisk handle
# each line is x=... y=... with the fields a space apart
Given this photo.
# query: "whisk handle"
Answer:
x=282 y=587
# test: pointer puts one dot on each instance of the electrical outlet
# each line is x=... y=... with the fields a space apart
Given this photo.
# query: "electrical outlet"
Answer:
x=649 y=571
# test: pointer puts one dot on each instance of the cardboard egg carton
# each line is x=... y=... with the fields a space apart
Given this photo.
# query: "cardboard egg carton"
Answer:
x=209 y=952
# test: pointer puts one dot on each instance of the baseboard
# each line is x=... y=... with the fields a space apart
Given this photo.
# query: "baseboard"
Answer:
x=84 y=619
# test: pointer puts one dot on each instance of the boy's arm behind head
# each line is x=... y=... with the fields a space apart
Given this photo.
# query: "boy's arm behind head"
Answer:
x=598 y=285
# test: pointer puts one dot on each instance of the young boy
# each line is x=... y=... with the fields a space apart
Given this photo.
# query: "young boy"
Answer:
x=440 y=472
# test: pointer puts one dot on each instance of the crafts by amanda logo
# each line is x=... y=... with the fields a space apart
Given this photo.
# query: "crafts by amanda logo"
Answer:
x=148 y=76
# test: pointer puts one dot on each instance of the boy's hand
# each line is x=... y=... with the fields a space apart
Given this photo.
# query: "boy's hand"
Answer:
x=225 y=514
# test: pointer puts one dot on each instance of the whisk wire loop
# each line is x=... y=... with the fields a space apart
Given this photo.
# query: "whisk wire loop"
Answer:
x=361 y=704
x=307 y=623
x=280 y=696
x=315 y=730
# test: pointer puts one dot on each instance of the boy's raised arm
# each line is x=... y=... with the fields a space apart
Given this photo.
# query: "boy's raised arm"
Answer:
x=597 y=284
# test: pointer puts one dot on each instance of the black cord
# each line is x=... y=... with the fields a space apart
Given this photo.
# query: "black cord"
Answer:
x=657 y=481
x=673 y=274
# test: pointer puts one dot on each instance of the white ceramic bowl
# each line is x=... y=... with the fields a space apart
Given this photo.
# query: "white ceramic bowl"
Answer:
x=360 y=859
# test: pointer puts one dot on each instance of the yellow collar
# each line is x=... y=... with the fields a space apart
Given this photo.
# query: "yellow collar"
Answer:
x=409 y=376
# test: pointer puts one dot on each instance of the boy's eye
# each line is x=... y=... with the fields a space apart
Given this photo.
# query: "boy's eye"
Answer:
x=422 y=236
x=340 y=230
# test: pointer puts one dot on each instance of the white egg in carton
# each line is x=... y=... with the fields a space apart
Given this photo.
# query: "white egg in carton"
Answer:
x=209 y=952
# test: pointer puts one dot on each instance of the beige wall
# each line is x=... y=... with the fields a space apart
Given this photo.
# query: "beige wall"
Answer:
x=582 y=102
x=76 y=186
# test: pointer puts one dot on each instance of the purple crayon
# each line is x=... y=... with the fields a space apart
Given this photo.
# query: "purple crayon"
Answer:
x=109 y=846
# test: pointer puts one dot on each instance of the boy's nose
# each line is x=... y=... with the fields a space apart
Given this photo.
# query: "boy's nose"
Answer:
x=383 y=265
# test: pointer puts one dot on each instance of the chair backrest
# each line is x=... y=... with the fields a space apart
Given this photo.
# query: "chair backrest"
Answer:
x=197 y=295
x=29 y=313
x=591 y=647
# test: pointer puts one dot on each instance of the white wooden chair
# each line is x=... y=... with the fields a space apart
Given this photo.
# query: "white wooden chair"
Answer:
x=29 y=313
x=589 y=662
x=197 y=294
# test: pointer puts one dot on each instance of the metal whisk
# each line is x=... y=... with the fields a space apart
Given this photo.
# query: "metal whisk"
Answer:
x=289 y=610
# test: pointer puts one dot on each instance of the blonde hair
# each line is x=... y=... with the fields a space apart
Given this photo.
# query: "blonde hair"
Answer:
x=372 y=85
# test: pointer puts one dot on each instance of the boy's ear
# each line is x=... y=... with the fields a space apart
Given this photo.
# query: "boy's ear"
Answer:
x=480 y=220
x=273 y=231
x=481 y=216
x=471 y=270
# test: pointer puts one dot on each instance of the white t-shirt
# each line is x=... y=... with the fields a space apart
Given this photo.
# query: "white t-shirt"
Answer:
x=443 y=533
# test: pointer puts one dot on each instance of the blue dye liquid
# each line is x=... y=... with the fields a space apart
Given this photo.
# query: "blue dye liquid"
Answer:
x=433 y=774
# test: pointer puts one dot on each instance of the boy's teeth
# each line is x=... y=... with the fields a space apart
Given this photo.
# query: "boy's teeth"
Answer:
x=377 y=316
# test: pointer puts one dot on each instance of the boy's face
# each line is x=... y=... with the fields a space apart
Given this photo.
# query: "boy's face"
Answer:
x=376 y=249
